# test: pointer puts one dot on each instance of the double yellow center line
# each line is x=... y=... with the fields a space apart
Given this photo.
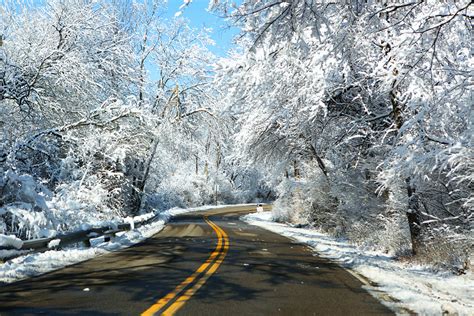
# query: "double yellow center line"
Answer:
x=174 y=300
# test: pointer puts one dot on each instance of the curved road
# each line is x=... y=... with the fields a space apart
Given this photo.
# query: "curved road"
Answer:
x=206 y=263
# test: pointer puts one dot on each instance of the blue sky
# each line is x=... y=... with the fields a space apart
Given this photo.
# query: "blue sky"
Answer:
x=199 y=17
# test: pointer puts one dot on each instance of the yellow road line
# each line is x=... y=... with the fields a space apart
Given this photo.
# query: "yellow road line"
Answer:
x=190 y=292
x=222 y=245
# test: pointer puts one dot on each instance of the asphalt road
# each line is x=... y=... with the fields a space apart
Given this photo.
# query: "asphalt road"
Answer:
x=200 y=264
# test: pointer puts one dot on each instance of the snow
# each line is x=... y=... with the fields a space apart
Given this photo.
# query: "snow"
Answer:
x=38 y=263
x=8 y=253
x=130 y=221
x=54 y=243
x=10 y=241
x=34 y=264
x=409 y=286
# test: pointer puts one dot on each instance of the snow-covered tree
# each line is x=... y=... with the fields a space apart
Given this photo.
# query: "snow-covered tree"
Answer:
x=93 y=96
x=370 y=102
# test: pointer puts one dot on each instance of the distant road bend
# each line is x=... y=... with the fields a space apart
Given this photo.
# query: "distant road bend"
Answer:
x=205 y=263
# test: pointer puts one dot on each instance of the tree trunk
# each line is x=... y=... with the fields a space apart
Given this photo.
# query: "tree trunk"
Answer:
x=141 y=185
x=413 y=217
x=296 y=170
x=197 y=164
x=413 y=213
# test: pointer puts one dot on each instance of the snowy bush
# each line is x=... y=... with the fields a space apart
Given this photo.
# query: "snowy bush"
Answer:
x=23 y=206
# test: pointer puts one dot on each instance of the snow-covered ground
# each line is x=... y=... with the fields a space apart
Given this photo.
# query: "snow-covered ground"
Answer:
x=408 y=286
x=38 y=263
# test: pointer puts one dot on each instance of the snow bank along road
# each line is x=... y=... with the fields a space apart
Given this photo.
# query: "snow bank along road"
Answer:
x=203 y=263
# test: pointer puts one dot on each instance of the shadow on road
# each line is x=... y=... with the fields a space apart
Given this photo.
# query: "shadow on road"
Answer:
x=259 y=266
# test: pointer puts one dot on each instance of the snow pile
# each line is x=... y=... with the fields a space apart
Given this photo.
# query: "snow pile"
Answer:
x=414 y=286
x=54 y=243
x=10 y=241
x=39 y=263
